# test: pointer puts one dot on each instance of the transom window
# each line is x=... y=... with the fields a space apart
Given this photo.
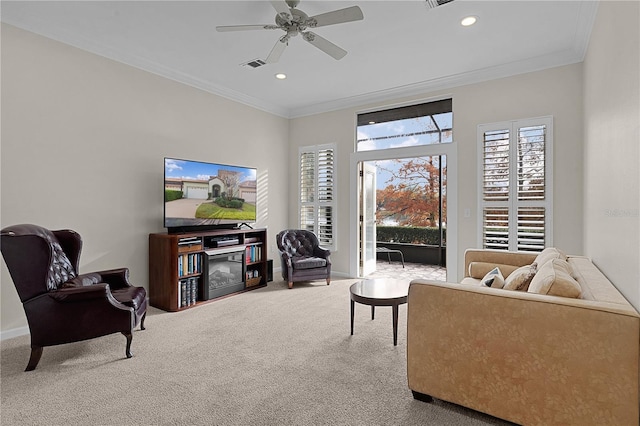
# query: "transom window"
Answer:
x=412 y=125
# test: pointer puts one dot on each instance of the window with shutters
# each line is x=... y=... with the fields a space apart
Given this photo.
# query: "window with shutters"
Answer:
x=516 y=184
x=317 y=197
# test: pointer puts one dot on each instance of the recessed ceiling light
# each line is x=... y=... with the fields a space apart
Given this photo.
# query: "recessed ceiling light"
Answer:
x=281 y=76
x=469 y=20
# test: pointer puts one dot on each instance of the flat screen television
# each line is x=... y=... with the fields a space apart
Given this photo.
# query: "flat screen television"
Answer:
x=201 y=196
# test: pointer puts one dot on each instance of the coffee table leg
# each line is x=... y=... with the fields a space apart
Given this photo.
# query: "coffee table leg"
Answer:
x=373 y=312
x=395 y=325
x=352 y=312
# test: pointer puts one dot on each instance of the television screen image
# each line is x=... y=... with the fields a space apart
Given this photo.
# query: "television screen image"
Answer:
x=207 y=195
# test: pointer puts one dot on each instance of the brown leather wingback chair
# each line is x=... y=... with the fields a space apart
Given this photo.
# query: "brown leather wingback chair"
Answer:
x=62 y=306
x=302 y=257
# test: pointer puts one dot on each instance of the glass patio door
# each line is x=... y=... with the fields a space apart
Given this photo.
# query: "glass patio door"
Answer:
x=367 y=218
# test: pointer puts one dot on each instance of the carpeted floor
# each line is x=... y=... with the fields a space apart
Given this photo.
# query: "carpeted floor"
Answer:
x=272 y=356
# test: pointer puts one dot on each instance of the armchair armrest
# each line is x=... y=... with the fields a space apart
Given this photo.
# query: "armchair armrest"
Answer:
x=116 y=278
x=77 y=294
x=322 y=252
x=286 y=258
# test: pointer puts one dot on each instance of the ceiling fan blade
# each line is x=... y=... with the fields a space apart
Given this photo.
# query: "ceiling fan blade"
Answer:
x=325 y=45
x=282 y=8
x=276 y=52
x=225 y=28
x=349 y=14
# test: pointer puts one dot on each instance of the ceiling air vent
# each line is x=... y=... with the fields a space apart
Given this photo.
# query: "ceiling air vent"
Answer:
x=435 y=3
x=255 y=63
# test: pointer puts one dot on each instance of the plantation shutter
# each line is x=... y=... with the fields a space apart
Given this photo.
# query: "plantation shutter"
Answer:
x=515 y=184
x=307 y=190
x=317 y=197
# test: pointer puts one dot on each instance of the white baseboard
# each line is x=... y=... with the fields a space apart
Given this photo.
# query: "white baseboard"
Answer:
x=333 y=273
x=14 y=332
x=340 y=274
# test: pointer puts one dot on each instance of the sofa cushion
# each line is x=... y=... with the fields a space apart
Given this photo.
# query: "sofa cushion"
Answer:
x=308 y=262
x=478 y=270
x=548 y=254
x=470 y=281
x=493 y=279
x=554 y=278
x=593 y=283
x=520 y=278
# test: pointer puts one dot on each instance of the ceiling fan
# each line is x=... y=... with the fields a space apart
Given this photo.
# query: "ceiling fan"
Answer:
x=294 y=21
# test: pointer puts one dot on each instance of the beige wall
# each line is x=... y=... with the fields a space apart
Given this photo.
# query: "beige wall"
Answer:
x=612 y=145
x=556 y=92
x=83 y=141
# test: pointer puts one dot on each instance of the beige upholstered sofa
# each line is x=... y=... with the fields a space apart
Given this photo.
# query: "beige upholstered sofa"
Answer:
x=526 y=357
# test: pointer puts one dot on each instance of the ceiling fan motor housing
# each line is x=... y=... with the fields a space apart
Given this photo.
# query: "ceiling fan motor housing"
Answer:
x=299 y=22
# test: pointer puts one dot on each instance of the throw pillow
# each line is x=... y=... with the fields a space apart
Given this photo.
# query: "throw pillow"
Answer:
x=493 y=279
x=520 y=278
x=554 y=278
x=548 y=254
x=478 y=270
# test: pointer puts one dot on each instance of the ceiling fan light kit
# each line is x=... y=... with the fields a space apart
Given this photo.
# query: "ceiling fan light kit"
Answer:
x=294 y=21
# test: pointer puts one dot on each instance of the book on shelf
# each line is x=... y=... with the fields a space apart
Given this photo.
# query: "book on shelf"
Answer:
x=187 y=292
x=253 y=253
x=189 y=243
x=189 y=263
x=194 y=289
x=188 y=239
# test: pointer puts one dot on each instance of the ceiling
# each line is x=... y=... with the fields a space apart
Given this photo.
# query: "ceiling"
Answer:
x=400 y=48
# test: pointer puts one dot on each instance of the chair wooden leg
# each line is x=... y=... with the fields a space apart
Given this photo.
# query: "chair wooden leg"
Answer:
x=129 y=337
x=328 y=281
x=34 y=359
x=290 y=284
x=142 y=321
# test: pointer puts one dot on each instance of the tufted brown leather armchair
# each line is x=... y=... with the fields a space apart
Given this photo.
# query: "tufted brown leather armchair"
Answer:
x=62 y=306
x=302 y=257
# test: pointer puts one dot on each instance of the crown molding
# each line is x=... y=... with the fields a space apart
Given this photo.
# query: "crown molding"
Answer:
x=477 y=76
x=586 y=19
x=71 y=39
x=575 y=54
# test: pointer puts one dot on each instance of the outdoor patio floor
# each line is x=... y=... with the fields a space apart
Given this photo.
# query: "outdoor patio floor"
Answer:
x=410 y=271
